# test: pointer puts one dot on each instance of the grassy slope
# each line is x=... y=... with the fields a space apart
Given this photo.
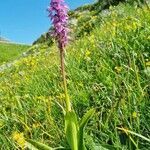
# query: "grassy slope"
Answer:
x=9 y=52
x=108 y=70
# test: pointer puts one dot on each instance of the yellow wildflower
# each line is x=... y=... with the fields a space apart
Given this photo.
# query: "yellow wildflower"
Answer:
x=87 y=53
x=19 y=139
x=36 y=125
x=134 y=114
x=118 y=69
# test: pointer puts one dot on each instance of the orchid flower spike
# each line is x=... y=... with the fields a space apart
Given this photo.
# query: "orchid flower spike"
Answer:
x=58 y=13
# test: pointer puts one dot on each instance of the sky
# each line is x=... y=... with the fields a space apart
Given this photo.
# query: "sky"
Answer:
x=23 y=21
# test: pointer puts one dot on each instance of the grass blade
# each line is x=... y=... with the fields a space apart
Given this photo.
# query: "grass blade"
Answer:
x=136 y=134
x=83 y=123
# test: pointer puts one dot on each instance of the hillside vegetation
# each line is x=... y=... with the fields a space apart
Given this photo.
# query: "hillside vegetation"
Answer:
x=9 y=51
x=108 y=68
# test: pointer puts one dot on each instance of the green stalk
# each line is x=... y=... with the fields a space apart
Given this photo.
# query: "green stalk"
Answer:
x=62 y=60
x=71 y=129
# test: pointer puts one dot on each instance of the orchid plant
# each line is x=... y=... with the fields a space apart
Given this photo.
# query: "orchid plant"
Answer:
x=74 y=130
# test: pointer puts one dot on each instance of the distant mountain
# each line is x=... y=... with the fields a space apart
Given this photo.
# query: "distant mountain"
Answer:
x=2 y=39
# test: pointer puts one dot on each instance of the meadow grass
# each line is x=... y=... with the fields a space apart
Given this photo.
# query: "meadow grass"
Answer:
x=9 y=51
x=108 y=69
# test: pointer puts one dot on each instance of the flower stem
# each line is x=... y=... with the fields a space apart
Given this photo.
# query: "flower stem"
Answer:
x=62 y=60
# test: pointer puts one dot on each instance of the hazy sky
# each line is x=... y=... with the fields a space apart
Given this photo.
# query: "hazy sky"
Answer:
x=24 y=21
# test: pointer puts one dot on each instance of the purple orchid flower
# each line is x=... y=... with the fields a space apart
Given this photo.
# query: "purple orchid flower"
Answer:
x=58 y=13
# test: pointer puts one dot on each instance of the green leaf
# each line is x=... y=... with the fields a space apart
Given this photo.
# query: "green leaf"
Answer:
x=71 y=129
x=86 y=118
x=83 y=123
x=34 y=145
